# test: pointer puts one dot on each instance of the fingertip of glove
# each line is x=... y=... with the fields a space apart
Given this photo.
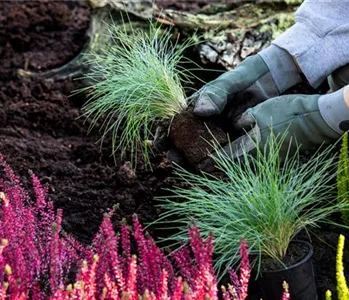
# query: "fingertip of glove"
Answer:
x=203 y=112
x=204 y=107
x=245 y=121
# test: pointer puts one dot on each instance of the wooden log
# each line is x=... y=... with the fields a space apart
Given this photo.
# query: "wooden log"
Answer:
x=228 y=33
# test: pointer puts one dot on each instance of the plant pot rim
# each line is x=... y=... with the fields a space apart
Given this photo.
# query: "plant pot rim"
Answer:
x=303 y=260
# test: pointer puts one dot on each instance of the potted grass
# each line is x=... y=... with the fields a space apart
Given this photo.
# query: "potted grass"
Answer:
x=136 y=85
x=267 y=202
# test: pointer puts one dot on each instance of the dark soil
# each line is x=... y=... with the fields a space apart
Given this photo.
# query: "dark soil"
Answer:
x=40 y=131
x=295 y=253
x=325 y=242
x=40 y=36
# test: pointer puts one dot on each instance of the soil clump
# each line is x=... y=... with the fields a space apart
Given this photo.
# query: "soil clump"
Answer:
x=194 y=137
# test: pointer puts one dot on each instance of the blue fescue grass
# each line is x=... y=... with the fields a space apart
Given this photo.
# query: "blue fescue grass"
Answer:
x=136 y=83
x=263 y=199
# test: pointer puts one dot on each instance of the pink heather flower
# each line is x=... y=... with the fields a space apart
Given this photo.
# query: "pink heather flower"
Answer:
x=285 y=294
x=2 y=293
x=131 y=288
x=164 y=285
x=197 y=245
x=60 y=295
x=110 y=290
x=55 y=267
x=35 y=252
x=152 y=261
x=87 y=280
x=126 y=248
x=245 y=270
x=178 y=290
x=235 y=286
x=239 y=285
x=184 y=263
x=107 y=249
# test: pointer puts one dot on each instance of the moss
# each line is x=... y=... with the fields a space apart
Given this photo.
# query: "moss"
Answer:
x=278 y=24
x=293 y=2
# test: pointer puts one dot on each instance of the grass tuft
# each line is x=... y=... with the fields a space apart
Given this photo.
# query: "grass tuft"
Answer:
x=262 y=199
x=136 y=83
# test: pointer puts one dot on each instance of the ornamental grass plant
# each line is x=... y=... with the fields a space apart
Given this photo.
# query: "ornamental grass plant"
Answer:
x=260 y=198
x=136 y=83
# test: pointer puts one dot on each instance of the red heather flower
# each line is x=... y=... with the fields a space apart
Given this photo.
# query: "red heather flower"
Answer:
x=198 y=272
x=151 y=262
x=164 y=285
x=285 y=295
x=178 y=290
x=239 y=288
x=106 y=245
x=126 y=248
x=131 y=288
x=245 y=270
x=184 y=263
x=36 y=251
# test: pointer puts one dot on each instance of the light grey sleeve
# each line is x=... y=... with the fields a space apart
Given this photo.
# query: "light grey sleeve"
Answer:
x=319 y=40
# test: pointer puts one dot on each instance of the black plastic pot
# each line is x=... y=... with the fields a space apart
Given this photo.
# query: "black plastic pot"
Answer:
x=300 y=278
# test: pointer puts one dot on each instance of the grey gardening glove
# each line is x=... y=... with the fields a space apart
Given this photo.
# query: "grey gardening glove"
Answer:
x=253 y=81
x=302 y=120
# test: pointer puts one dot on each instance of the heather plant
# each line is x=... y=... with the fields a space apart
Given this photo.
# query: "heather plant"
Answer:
x=150 y=275
x=261 y=198
x=136 y=84
x=109 y=275
x=40 y=257
x=37 y=258
x=343 y=176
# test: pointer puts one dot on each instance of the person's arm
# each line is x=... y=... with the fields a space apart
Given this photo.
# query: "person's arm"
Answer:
x=319 y=40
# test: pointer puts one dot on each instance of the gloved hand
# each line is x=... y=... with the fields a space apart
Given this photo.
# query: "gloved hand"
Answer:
x=302 y=120
x=253 y=81
x=298 y=116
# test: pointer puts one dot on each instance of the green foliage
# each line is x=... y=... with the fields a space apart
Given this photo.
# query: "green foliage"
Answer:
x=285 y=21
x=260 y=198
x=342 y=287
x=293 y=2
x=136 y=83
x=343 y=176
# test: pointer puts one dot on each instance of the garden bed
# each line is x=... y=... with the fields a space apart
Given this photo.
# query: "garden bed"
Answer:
x=40 y=131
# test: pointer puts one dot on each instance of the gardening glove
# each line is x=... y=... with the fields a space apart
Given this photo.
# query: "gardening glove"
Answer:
x=302 y=120
x=253 y=81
